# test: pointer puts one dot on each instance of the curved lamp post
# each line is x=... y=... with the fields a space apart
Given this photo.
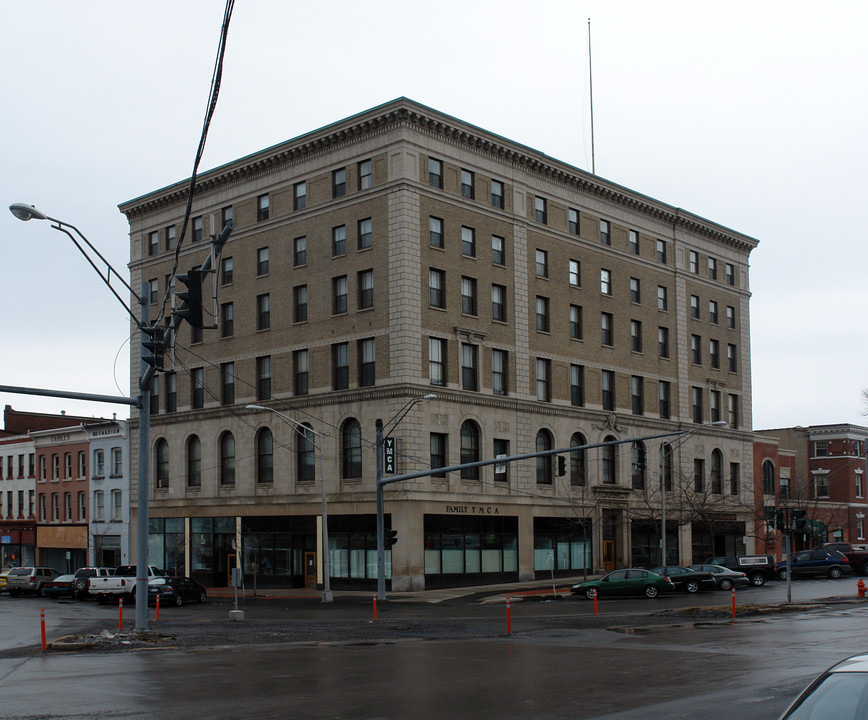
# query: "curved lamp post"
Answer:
x=327 y=595
x=143 y=402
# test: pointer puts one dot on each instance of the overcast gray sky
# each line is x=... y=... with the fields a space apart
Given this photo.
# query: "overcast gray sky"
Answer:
x=751 y=114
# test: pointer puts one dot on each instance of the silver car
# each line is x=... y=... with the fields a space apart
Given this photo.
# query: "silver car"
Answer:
x=29 y=579
x=840 y=693
x=725 y=578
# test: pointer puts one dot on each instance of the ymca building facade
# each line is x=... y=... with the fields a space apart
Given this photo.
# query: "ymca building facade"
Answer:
x=401 y=253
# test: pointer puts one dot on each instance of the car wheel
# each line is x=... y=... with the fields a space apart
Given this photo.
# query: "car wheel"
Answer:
x=726 y=584
x=757 y=579
x=691 y=586
x=651 y=591
x=591 y=593
x=782 y=574
x=835 y=573
x=202 y=596
x=178 y=600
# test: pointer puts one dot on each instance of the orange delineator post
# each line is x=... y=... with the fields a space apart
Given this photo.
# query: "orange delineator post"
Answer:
x=375 y=606
x=733 y=603
x=42 y=623
x=121 y=615
x=595 y=603
x=158 y=608
x=508 y=618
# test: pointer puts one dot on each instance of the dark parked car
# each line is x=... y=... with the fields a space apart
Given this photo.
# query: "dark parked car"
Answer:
x=813 y=563
x=175 y=590
x=61 y=586
x=632 y=581
x=687 y=579
x=840 y=693
x=725 y=578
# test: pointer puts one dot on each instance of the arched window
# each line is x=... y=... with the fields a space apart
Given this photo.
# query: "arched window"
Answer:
x=194 y=462
x=666 y=465
x=161 y=455
x=639 y=458
x=469 y=449
x=716 y=472
x=264 y=457
x=227 y=459
x=544 y=462
x=351 y=444
x=768 y=478
x=305 y=455
x=577 y=460
x=609 y=468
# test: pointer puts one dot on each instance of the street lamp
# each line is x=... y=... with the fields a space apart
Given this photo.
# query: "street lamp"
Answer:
x=381 y=529
x=143 y=402
x=327 y=596
x=684 y=435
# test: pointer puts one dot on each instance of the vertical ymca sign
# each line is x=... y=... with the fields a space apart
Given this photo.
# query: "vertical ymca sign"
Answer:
x=389 y=456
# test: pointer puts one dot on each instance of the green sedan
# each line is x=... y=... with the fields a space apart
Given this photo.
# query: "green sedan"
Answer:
x=632 y=581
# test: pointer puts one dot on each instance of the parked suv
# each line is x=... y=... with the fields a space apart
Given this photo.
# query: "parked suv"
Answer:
x=28 y=579
x=82 y=575
x=812 y=563
x=758 y=568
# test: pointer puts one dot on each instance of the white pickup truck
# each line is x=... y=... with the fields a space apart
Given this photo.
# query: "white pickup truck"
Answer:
x=120 y=585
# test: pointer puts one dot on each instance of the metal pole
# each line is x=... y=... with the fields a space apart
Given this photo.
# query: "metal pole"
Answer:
x=663 y=511
x=381 y=530
x=327 y=595
x=144 y=456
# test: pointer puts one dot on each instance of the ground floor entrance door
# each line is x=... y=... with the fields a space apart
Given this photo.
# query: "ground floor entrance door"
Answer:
x=310 y=569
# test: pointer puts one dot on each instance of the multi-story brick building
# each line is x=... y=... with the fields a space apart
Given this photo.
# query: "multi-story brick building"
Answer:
x=402 y=252
x=819 y=469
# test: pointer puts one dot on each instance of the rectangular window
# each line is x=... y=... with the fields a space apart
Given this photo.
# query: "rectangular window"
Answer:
x=543 y=380
x=197 y=229
x=637 y=394
x=605 y=281
x=732 y=411
x=498 y=250
x=197 y=384
x=573 y=223
x=693 y=261
x=435 y=232
x=694 y=307
x=542 y=263
x=662 y=299
x=436 y=285
x=542 y=314
x=821 y=485
x=735 y=478
x=153 y=291
x=366 y=233
x=366 y=177
x=696 y=404
x=635 y=291
x=435 y=173
x=730 y=317
x=153 y=242
x=227 y=383
x=712 y=268
x=299 y=300
x=117 y=460
x=468 y=241
x=820 y=448
x=636 y=336
x=467 y=184
x=605 y=232
x=341 y=366
x=469 y=374
x=714 y=405
x=468 y=296
x=262 y=261
x=262 y=204
x=699 y=475
x=576 y=329
x=497 y=193
x=608 y=389
x=577 y=385
x=498 y=303
x=696 y=349
x=714 y=353
x=575 y=273
x=263 y=377
x=263 y=312
x=499 y=366
x=98 y=506
x=633 y=241
x=661 y=251
x=299 y=251
x=438 y=444
x=117 y=506
x=339 y=240
x=437 y=361
x=365 y=280
x=227 y=320
x=301 y=372
x=339 y=183
x=227 y=266
x=663 y=342
x=171 y=392
x=226 y=214
x=607 y=328
x=82 y=506
x=171 y=237
x=299 y=196
x=664 y=390
x=339 y=295
x=731 y=358
x=712 y=312
x=729 y=273
x=540 y=209
x=367 y=363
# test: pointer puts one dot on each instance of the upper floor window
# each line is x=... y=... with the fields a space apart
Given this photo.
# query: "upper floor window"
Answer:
x=351 y=449
x=367 y=362
x=606 y=281
x=366 y=289
x=99 y=463
x=712 y=268
x=605 y=232
x=197 y=229
x=693 y=261
x=341 y=366
x=365 y=233
x=468 y=241
x=339 y=183
x=662 y=299
x=467 y=184
x=227 y=267
x=153 y=242
x=575 y=273
x=435 y=173
x=633 y=242
x=366 y=176
x=339 y=295
x=573 y=221
x=262 y=204
x=498 y=250
x=730 y=317
x=540 y=207
x=542 y=263
x=299 y=195
x=661 y=251
x=435 y=232
x=635 y=290
x=299 y=251
x=262 y=261
x=730 y=274
x=117 y=462
x=497 y=193
x=339 y=240
x=170 y=237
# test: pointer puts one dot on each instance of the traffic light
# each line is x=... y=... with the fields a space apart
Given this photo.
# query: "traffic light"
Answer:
x=154 y=341
x=391 y=537
x=562 y=466
x=191 y=300
x=800 y=523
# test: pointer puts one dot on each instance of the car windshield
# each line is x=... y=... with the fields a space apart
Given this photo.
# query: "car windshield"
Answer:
x=842 y=696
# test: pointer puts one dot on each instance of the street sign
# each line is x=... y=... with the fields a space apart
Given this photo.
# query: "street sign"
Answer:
x=389 y=456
